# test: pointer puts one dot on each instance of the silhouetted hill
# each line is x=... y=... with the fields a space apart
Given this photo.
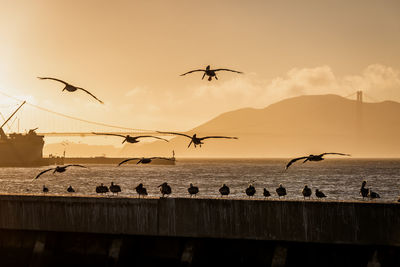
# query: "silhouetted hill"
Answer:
x=292 y=127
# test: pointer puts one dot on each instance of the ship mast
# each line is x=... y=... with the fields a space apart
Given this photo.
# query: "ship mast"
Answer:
x=2 y=133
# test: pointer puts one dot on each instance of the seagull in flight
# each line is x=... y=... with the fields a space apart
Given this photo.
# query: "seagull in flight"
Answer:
x=210 y=72
x=70 y=87
x=198 y=140
x=142 y=160
x=313 y=158
x=131 y=139
x=59 y=169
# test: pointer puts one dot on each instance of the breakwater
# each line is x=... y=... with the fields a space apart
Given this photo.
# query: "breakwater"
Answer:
x=326 y=223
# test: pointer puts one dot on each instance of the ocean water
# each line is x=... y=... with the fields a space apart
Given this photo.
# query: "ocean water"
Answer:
x=339 y=179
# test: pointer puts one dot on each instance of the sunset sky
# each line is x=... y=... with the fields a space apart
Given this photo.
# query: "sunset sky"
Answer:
x=130 y=54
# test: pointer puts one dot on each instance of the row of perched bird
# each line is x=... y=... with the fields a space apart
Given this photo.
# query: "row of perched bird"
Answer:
x=250 y=191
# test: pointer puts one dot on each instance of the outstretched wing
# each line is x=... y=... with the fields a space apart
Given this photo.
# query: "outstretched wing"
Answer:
x=175 y=134
x=142 y=136
x=86 y=91
x=122 y=162
x=54 y=79
x=333 y=153
x=228 y=70
x=191 y=72
x=75 y=165
x=109 y=134
x=294 y=160
x=37 y=176
x=226 y=137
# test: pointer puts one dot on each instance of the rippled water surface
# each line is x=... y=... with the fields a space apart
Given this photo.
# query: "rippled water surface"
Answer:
x=338 y=179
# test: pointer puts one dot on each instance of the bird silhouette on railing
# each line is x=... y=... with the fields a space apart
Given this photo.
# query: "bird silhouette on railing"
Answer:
x=131 y=139
x=70 y=189
x=250 y=191
x=142 y=191
x=281 y=191
x=313 y=158
x=224 y=190
x=70 y=87
x=319 y=194
x=114 y=188
x=142 y=160
x=266 y=193
x=165 y=189
x=193 y=190
x=197 y=140
x=363 y=190
x=372 y=194
x=45 y=189
x=210 y=72
x=306 y=192
x=59 y=169
x=101 y=189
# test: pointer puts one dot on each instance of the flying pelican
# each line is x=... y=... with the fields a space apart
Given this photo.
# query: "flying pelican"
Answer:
x=59 y=169
x=193 y=190
x=70 y=87
x=197 y=140
x=210 y=73
x=251 y=190
x=142 y=160
x=142 y=191
x=319 y=194
x=306 y=192
x=165 y=189
x=313 y=158
x=131 y=139
x=115 y=188
x=281 y=191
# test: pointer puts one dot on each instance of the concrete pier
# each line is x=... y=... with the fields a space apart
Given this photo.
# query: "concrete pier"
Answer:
x=186 y=222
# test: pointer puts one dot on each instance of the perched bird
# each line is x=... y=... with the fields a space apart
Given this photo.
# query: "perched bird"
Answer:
x=165 y=189
x=70 y=87
x=266 y=193
x=59 y=169
x=142 y=160
x=131 y=139
x=101 y=189
x=115 y=188
x=281 y=191
x=251 y=190
x=364 y=191
x=210 y=72
x=306 y=192
x=313 y=158
x=319 y=194
x=45 y=189
x=70 y=189
x=398 y=200
x=198 y=140
x=372 y=194
x=193 y=190
x=142 y=191
x=224 y=190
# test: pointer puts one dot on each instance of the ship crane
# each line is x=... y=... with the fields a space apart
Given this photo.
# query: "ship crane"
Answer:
x=2 y=133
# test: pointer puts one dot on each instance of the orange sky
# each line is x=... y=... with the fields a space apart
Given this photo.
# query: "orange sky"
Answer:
x=130 y=54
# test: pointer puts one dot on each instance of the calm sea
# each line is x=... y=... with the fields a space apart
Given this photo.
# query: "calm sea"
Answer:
x=339 y=179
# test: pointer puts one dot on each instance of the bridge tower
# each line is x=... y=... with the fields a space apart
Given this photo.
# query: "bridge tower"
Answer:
x=359 y=115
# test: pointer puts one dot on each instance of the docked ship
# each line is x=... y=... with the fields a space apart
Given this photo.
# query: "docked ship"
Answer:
x=22 y=150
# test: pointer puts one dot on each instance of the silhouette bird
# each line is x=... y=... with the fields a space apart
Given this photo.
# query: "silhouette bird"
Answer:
x=131 y=139
x=224 y=190
x=210 y=72
x=306 y=192
x=70 y=87
x=313 y=158
x=281 y=191
x=59 y=169
x=101 y=189
x=142 y=160
x=70 y=189
x=372 y=194
x=45 y=189
x=165 y=189
x=364 y=191
x=319 y=194
x=115 y=188
x=142 y=191
x=193 y=190
x=251 y=190
x=266 y=193
x=398 y=200
x=198 y=140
